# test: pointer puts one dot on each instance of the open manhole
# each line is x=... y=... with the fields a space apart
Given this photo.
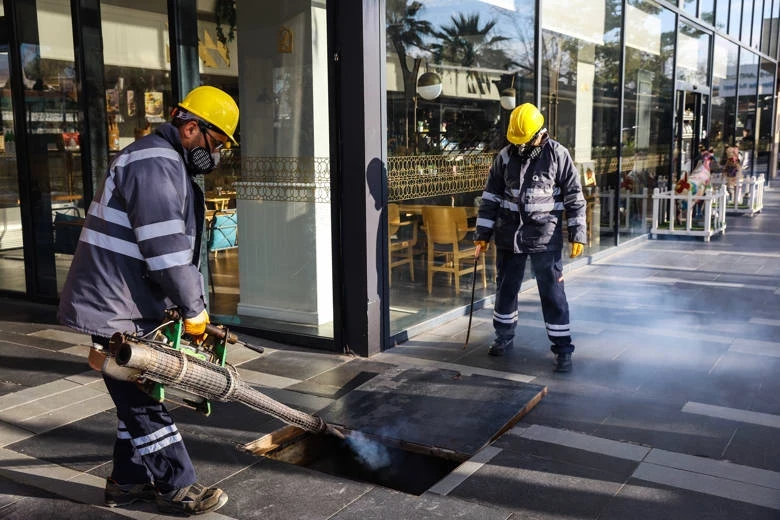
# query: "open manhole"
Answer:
x=401 y=466
x=407 y=427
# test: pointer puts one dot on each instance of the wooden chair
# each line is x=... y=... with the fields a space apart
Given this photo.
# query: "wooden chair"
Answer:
x=400 y=250
x=448 y=250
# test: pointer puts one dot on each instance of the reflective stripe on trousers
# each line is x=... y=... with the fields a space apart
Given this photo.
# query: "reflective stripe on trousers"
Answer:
x=148 y=446
x=548 y=269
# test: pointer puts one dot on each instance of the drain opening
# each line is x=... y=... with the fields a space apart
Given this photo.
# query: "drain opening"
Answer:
x=408 y=468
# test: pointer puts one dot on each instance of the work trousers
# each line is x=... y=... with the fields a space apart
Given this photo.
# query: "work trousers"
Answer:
x=548 y=269
x=148 y=446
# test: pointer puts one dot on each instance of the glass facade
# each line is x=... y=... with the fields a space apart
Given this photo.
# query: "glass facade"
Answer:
x=647 y=111
x=633 y=95
x=635 y=90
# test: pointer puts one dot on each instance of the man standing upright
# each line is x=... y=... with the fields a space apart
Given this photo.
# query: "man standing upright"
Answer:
x=532 y=181
x=137 y=256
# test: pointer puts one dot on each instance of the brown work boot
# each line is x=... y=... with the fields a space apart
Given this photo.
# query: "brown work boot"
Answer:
x=191 y=500
x=126 y=494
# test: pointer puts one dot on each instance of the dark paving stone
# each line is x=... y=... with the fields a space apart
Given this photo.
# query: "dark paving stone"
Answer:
x=23 y=502
x=650 y=423
x=678 y=387
x=438 y=408
x=755 y=446
x=82 y=445
x=338 y=381
x=512 y=441
x=295 y=365
x=7 y=387
x=641 y=500
x=380 y=504
x=573 y=406
x=535 y=487
x=34 y=366
x=233 y=424
x=38 y=341
x=277 y=490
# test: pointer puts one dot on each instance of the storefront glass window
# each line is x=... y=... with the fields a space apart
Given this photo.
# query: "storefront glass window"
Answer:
x=724 y=96
x=647 y=111
x=746 y=108
x=689 y=6
x=747 y=21
x=693 y=53
x=52 y=127
x=137 y=69
x=735 y=19
x=580 y=101
x=722 y=15
x=12 y=275
x=765 y=106
x=773 y=34
x=758 y=16
x=707 y=11
x=270 y=234
x=765 y=28
x=454 y=72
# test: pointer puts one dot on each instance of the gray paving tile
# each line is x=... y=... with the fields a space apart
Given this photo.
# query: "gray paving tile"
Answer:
x=339 y=380
x=277 y=490
x=535 y=487
x=641 y=500
x=662 y=426
x=81 y=445
x=380 y=504
x=295 y=364
x=24 y=502
x=33 y=366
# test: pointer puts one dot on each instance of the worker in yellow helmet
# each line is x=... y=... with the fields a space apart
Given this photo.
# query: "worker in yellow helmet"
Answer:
x=137 y=256
x=532 y=181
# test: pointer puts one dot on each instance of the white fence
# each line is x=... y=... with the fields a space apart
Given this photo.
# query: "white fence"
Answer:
x=689 y=215
x=748 y=196
x=633 y=212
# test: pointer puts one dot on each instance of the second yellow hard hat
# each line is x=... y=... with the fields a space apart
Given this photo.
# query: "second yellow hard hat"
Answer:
x=524 y=122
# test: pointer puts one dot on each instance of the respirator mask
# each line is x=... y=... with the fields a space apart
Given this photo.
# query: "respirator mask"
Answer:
x=202 y=160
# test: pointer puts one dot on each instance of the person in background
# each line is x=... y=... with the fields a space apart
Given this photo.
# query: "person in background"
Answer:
x=137 y=256
x=532 y=181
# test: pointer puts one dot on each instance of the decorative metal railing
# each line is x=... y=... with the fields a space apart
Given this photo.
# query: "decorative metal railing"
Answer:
x=420 y=176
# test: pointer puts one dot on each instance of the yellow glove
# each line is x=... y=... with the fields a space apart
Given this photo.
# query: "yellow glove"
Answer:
x=481 y=246
x=196 y=326
x=576 y=249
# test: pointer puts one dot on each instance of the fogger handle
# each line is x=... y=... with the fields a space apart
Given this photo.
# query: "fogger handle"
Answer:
x=219 y=332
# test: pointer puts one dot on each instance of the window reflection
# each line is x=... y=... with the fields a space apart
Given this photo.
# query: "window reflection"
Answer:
x=441 y=147
x=580 y=101
x=647 y=111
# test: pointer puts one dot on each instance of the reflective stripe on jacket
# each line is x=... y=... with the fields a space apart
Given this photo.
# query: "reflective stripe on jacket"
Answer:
x=136 y=253
x=524 y=200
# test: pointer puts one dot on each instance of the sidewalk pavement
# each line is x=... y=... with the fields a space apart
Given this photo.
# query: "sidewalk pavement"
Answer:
x=672 y=409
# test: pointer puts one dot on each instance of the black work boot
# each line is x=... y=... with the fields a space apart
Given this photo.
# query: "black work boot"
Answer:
x=563 y=362
x=500 y=345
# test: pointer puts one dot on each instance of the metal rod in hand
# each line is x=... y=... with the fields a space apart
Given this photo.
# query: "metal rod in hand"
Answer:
x=473 y=285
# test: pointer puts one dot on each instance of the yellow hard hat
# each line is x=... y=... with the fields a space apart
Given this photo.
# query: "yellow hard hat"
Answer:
x=524 y=122
x=215 y=107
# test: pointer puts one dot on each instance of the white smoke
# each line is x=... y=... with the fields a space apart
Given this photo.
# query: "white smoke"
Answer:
x=371 y=453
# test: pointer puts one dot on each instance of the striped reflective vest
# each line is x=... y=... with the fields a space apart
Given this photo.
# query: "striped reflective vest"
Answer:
x=136 y=253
